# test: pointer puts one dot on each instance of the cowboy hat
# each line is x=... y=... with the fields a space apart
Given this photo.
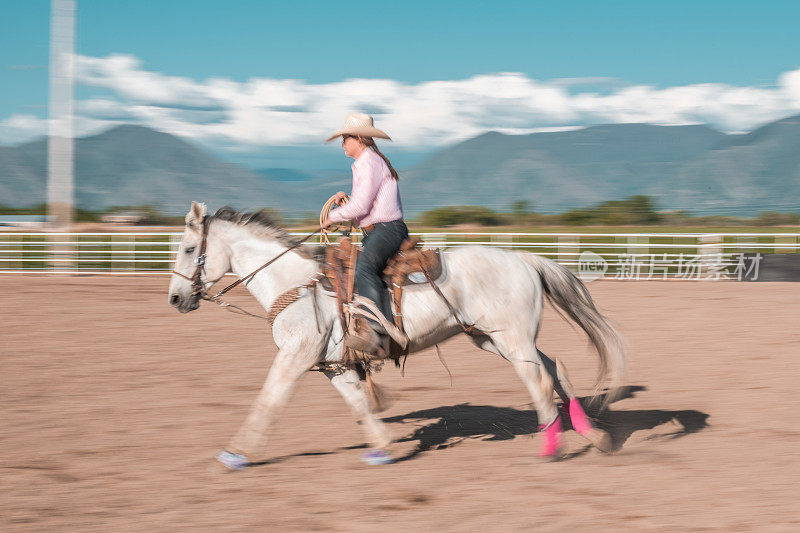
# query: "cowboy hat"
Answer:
x=359 y=125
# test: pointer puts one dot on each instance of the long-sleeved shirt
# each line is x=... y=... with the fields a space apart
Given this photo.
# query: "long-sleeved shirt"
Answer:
x=375 y=197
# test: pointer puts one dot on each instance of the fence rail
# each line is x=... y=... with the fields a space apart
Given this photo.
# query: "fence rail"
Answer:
x=618 y=255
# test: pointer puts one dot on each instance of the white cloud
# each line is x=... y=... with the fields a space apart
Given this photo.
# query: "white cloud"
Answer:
x=124 y=75
x=21 y=127
x=284 y=112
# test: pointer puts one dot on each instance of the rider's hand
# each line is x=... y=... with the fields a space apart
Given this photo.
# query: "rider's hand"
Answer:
x=341 y=195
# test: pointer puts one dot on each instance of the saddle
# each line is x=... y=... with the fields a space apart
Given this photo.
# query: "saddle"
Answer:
x=411 y=265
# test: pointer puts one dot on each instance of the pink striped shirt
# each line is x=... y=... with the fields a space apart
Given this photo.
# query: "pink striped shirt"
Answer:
x=375 y=197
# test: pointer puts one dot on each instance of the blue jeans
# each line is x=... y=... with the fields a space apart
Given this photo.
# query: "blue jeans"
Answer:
x=377 y=247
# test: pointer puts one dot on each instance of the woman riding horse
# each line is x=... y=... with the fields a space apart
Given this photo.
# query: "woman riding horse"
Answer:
x=375 y=207
x=502 y=290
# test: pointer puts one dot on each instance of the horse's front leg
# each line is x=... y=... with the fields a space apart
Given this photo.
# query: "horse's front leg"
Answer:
x=352 y=390
x=289 y=366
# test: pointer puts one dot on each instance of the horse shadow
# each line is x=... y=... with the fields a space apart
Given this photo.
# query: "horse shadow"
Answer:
x=451 y=425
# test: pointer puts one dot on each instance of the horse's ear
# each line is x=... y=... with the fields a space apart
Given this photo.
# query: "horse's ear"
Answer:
x=196 y=214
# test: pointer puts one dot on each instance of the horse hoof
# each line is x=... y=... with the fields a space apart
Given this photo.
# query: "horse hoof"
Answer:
x=552 y=445
x=377 y=458
x=552 y=456
x=233 y=461
x=599 y=439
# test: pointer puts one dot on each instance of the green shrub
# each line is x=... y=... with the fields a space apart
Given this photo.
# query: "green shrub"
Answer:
x=773 y=218
x=461 y=214
x=637 y=210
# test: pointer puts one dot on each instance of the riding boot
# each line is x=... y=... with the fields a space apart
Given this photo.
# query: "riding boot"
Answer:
x=366 y=336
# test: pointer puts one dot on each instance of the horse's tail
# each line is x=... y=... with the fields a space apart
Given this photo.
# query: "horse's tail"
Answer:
x=568 y=293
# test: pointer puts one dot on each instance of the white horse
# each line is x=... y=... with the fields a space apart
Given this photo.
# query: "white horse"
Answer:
x=501 y=292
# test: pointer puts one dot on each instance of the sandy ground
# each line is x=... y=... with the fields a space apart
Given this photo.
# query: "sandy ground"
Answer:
x=112 y=406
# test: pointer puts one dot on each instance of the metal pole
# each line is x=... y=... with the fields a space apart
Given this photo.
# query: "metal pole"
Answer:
x=60 y=144
x=60 y=149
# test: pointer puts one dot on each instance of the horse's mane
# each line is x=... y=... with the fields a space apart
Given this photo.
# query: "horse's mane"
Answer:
x=262 y=223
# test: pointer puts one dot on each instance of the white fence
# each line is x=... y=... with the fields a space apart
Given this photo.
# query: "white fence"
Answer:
x=621 y=255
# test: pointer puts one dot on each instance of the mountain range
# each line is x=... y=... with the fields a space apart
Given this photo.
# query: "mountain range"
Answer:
x=682 y=167
x=134 y=165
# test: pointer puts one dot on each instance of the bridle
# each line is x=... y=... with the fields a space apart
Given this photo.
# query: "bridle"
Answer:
x=199 y=287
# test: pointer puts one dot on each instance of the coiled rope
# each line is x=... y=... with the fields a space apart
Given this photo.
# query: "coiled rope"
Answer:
x=323 y=216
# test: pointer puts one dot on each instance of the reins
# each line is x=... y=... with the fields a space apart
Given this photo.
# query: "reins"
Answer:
x=265 y=265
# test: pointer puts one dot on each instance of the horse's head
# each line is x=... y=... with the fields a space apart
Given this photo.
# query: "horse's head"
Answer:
x=202 y=260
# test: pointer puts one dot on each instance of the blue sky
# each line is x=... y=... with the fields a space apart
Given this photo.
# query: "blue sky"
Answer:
x=605 y=46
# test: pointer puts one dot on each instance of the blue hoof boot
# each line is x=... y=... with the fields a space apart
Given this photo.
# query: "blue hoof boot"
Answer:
x=377 y=457
x=233 y=461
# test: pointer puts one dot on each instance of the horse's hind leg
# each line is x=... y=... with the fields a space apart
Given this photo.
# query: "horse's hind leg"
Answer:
x=564 y=390
x=580 y=422
x=540 y=386
x=561 y=384
x=520 y=350
x=352 y=390
x=542 y=376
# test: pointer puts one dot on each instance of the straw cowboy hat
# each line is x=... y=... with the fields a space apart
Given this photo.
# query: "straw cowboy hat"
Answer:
x=359 y=125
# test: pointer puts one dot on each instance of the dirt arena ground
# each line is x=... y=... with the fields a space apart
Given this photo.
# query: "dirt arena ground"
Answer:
x=112 y=406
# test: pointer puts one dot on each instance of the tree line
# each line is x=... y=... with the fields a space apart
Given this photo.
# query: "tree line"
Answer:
x=639 y=210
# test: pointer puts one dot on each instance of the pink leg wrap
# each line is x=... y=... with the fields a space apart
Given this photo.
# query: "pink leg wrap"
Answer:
x=578 y=417
x=552 y=439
